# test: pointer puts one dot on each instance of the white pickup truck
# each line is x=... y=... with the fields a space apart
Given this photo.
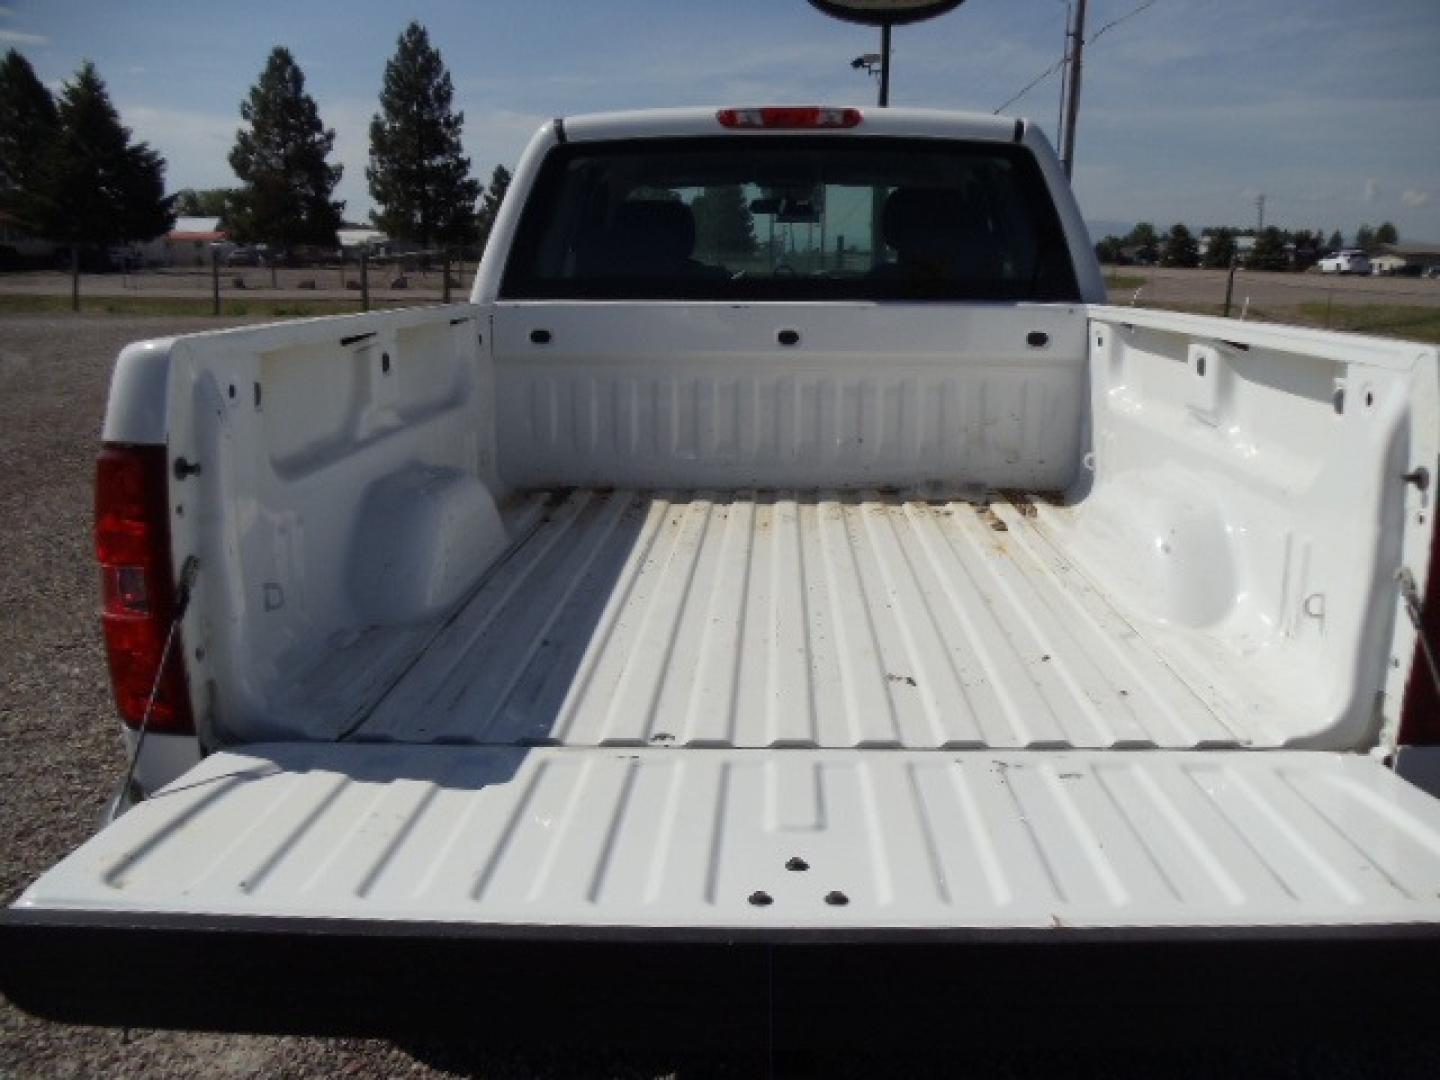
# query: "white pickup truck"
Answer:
x=785 y=594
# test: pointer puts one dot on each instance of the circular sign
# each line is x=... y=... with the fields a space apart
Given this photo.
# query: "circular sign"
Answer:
x=885 y=12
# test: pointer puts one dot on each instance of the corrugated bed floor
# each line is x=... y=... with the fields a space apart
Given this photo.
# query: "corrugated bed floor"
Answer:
x=775 y=619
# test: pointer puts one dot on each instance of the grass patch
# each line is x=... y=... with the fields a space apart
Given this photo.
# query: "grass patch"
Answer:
x=24 y=303
x=1408 y=321
x=1125 y=282
x=1390 y=320
x=1185 y=307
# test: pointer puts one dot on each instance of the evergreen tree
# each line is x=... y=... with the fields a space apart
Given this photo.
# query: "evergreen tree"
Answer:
x=100 y=188
x=1109 y=252
x=418 y=173
x=281 y=160
x=1387 y=234
x=203 y=202
x=1222 y=250
x=28 y=126
x=1336 y=241
x=1180 y=248
x=1269 y=251
x=1365 y=239
x=723 y=222
x=490 y=204
x=1308 y=248
x=1146 y=240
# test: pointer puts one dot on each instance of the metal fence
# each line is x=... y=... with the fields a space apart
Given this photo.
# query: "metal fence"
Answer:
x=357 y=284
x=1404 y=307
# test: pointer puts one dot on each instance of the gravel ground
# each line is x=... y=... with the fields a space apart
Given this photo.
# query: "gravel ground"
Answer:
x=60 y=758
x=60 y=754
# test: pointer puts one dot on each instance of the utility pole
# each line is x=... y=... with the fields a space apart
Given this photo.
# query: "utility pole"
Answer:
x=1064 y=63
x=1260 y=213
x=1072 y=93
x=885 y=65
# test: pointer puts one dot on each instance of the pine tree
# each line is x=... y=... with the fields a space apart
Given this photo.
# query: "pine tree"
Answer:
x=1269 y=251
x=1336 y=241
x=203 y=202
x=100 y=188
x=723 y=222
x=1365 y=239
x=418 y=172
x=1307 y=247
x=281 y=160
x=1146 y=240
x=1387 y=234
x=490 y=204
x=1109 y=251
x=1180 y=248
x=28 y=126
x=1222 y=250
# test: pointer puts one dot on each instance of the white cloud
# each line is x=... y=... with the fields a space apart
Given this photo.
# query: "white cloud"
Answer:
x=1371 y=190
x=351 y=123
x=1414 y=198
x=193 y=143
x=16 y=37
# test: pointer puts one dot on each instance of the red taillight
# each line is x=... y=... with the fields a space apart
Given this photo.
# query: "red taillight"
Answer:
x=132 y=543
x=789 y=117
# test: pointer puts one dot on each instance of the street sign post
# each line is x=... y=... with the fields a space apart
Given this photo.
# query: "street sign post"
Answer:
x=885 y=14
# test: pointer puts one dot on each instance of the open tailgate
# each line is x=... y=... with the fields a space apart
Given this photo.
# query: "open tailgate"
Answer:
x=319 y=887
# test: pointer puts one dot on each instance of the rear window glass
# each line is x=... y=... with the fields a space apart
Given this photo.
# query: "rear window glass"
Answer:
x=767 y=218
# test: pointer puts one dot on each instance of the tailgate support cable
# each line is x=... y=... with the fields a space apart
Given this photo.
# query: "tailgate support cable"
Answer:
x=1411 y=595
x=188 y=573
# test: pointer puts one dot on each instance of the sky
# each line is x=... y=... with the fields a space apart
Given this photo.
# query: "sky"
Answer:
x=1190 y=109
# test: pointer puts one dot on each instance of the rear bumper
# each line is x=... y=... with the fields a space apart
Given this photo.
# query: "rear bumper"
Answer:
x=711 y=988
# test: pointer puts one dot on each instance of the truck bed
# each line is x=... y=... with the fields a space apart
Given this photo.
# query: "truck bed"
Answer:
x=819 y=620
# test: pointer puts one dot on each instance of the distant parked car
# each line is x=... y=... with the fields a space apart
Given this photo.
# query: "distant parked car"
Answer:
x=243 y=256
x=1345 y=262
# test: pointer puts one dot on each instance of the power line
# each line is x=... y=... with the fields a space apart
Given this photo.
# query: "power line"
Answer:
x=1033 y=83
x=1064 y=59
x=1116 y=22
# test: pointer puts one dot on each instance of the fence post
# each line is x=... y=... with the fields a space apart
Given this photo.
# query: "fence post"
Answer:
x=1230 y=285
x=445 y=269
x=74 y=277
x=214 y=281
x=364 y=280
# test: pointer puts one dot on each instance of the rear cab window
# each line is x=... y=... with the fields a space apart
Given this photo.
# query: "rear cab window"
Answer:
x=790 y=218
